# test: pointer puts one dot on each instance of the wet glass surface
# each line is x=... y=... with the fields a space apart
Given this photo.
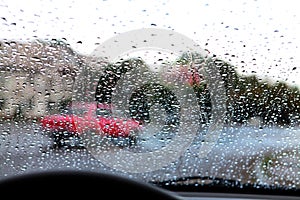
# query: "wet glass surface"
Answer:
x=218 y=96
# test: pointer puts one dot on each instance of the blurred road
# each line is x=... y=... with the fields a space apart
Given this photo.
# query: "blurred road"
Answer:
x=239 y=154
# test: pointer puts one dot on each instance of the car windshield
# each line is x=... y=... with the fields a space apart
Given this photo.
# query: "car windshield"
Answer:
x=181 y=92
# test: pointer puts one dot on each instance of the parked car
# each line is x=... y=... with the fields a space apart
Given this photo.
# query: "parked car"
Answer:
x=67 y=127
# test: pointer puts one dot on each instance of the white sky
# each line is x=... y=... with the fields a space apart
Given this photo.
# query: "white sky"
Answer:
x=263 y=36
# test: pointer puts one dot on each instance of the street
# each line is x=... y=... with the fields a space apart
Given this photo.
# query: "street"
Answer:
x=238 y=154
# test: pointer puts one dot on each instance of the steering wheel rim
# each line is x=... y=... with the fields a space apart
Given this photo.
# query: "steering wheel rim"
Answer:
x=74 y=183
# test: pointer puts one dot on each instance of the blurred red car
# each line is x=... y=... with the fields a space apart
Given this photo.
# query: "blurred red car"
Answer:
x=82 y=117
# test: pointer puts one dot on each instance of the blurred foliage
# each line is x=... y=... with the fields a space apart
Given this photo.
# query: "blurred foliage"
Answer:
x=111 y=74
x=248 y=96
x=143 y=97
x=153 y=93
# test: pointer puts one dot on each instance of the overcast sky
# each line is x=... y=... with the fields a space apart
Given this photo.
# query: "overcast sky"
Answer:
x=261 y=36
